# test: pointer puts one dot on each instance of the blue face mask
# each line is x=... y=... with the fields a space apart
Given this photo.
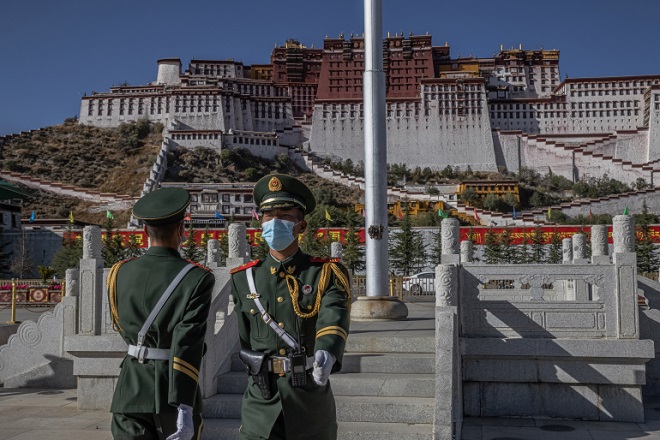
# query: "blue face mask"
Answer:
x=278 y=233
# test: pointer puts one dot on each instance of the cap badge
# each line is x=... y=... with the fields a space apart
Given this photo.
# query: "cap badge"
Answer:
x=274 y=184
x=307 y=289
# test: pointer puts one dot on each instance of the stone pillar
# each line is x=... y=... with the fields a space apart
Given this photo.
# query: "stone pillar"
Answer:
x=579 y=247
x=567 y=250
x=625 y=262
x=599 y=245
x=213 y=253
x=448 y=414
x=71 y=294
x=623 y=234
x=450 y=241
x=336 y=250
x=237 y=245
x=467 y=251
x=91 y=283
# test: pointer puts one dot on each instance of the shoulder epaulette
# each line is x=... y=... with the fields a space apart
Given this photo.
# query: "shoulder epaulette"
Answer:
x=120 y=263
x=243 y=267
x=319 y=260
x=199 y=265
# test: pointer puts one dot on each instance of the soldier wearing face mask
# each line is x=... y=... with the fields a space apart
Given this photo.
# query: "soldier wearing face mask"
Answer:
x=293 y=318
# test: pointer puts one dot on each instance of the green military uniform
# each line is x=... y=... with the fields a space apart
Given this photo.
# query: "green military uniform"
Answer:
x=310 y=299
x=149 y=392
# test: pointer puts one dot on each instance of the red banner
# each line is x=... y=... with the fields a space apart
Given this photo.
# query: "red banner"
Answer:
x=339 y=234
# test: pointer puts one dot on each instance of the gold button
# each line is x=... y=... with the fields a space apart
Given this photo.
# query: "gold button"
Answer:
x=251 y=311
x=281 y=324
x=310 y=307
x=280 y=299
x=282 y=274
x=282 y=352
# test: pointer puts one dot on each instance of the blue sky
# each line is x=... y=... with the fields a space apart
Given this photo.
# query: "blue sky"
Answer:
x=53 y=52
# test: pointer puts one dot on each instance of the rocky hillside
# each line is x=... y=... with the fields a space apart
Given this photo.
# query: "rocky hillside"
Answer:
x=107 y=160
x=119 y=161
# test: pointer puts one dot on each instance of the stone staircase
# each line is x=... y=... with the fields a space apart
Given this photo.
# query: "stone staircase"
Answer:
x=386 y=390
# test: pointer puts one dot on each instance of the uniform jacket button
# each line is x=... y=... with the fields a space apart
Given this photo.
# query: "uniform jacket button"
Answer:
x=282 y=274
x=281 y=324
x=280 y=299
x=282 y=352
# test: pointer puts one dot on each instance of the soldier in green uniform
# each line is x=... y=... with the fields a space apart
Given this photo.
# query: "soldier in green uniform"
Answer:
x=293 y=317
x=159 y=303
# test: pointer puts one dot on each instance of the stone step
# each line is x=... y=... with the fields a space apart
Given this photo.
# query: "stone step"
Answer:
x=349 y=408
x=369 y=343
x=353 y=384
x=417 y=363
x=227 y=429
x=385 y=409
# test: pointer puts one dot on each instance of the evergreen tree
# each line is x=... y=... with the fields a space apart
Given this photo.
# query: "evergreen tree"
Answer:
x=353 y=255
x=523 y=254
x=5 y=256
x=203 y=245
x=508 y=251
x=555 y=251
x=436 y=250
x=259 y=251
x=191 y=249
x=69 y=255
x=492 y=248
x=647 y=255
x=538 y=248
x=316 y=242
x=113 y=250
x=403 y=255
x=132 y=247
x=419 y=257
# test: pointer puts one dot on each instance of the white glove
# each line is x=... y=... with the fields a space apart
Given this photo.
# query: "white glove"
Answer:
x=184 y=424
x=323 y=362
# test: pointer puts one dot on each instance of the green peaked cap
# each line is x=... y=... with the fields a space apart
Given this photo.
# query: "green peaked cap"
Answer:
x=162 y=206
x=283 y=191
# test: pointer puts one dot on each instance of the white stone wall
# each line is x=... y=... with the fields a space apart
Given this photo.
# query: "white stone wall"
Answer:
x=653 y=110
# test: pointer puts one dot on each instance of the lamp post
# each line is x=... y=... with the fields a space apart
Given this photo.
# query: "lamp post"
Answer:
x=13 y=302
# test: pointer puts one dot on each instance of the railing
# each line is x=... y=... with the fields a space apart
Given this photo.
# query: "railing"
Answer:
x=422 y=289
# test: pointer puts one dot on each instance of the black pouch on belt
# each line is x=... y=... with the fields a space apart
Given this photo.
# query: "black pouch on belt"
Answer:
x=256 y=364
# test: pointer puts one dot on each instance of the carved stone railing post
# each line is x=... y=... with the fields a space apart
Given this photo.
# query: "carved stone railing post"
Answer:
x=450 y=235
x=448 y=375
x=467 y=251
x=336 y=250
x=567 y=251
x=625 y=261
x=91 y=283
x=71 y=296
x=599 y=245
x=213 y=253
x=238 y=244
x=579 y=248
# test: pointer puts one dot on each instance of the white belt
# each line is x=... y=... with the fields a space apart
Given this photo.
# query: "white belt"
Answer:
x=281 y=365
x=142 y=353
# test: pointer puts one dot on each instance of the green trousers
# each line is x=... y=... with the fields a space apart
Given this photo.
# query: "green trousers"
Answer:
x=146 y=426
x=277 y=433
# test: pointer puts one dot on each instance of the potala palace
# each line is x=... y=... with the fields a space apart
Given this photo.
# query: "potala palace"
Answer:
x=502 y=112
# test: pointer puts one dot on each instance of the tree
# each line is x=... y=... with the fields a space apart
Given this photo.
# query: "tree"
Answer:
x=45 y=273
x=353 y=255
x=22 y=261
x=436 y=250
x=69 y=255
x=538 y=249
x=647 y=255
x=5 y=256
x=508 y=251
x=492 y=248
x=113 y=249
x=314 y=242
x=555 y=251
x=523 y=255
x=133 y=247
x=191 y=250
x=404 y=247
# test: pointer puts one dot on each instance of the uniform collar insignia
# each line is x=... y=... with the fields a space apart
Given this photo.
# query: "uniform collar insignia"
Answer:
x=290 y=270
x=273 y=270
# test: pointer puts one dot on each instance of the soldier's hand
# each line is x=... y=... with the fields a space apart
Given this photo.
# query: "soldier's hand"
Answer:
x=184 y=424
x=323 y=362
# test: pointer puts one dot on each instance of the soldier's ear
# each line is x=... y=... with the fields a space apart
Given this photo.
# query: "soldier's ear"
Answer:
x=303 y=226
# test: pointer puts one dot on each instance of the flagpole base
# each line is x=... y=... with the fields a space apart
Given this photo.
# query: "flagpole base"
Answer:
x=378 y=308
